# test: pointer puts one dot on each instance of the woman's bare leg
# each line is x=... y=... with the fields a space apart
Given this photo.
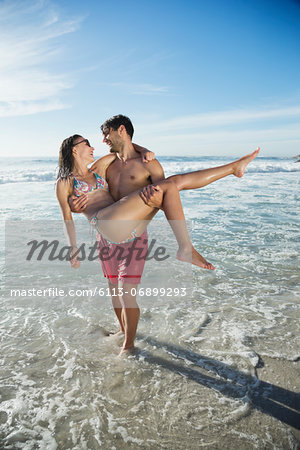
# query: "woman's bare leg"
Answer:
x=201 y=178
x=131 y=210
x=118 y=220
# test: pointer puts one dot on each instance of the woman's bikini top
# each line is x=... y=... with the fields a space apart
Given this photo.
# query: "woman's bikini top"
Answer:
x=82 y=187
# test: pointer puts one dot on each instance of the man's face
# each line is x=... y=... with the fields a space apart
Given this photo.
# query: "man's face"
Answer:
x=112 y=139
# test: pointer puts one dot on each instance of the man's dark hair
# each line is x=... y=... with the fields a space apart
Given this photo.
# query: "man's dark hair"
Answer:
x=115 y=122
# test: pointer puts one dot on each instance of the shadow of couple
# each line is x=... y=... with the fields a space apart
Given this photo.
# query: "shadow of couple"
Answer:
x=268 y=398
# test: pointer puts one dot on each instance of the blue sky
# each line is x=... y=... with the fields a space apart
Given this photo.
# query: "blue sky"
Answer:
x=196 y=77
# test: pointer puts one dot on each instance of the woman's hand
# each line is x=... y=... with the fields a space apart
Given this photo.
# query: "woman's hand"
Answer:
x=75 y=263
x=146 y=155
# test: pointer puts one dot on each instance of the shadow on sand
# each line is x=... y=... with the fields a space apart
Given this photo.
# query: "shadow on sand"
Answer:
x=273 y=400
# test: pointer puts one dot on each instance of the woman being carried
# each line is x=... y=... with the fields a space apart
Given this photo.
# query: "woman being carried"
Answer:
x=105 y=214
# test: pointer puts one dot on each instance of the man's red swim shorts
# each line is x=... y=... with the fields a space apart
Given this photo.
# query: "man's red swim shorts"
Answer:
x=123 y=262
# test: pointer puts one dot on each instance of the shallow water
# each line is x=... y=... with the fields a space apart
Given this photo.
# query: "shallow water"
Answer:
x=196 y=380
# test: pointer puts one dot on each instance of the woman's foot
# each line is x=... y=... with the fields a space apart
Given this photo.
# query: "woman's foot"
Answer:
x=193 y=257
x=241 y=164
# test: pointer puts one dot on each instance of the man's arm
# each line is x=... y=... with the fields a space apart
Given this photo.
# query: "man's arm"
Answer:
x=152 y=195
x=156 y=172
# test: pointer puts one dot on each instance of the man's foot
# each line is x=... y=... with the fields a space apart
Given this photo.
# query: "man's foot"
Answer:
x=193 y=257
x=118 y=336
x=128 y=351
x=116 y=333
x=241 y=164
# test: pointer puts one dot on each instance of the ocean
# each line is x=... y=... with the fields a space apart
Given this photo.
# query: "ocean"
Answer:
x=215 y=369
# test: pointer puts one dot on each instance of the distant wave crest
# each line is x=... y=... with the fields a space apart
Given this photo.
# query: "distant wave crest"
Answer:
x=27 y=177
x=171 y=166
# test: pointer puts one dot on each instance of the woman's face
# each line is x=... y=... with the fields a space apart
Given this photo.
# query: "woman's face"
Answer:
x=83 y=150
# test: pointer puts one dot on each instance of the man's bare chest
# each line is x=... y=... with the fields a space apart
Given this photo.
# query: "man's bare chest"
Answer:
x=125 y=178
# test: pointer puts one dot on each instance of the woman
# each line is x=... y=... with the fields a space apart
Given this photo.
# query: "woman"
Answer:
x=105 y=214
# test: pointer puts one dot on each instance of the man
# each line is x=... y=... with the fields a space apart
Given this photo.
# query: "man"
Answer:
x=126 y=174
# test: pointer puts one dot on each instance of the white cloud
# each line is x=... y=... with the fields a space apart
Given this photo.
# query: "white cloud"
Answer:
x=10 y=109
x=225 y=132
x=265 y=135
x=29 y=37
x=140 y=88
x=32 y=86
x=221 y=118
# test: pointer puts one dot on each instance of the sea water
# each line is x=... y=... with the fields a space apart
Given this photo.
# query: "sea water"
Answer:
x=215 y=369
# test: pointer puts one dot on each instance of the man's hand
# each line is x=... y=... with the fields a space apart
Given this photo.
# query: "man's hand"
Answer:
x=152 y=195
x=78 y=204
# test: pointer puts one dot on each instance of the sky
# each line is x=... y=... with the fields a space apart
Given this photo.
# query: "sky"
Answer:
x=196 y=77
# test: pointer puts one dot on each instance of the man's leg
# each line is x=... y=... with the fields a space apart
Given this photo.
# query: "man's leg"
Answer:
x=130 y=272
x=110 y=271
x=130 y=315
x=117 y=305
x=125 y=306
